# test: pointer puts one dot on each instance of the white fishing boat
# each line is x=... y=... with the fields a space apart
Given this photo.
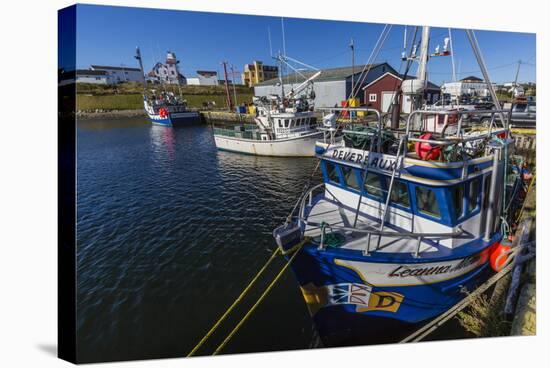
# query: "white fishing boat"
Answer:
x=285 y=124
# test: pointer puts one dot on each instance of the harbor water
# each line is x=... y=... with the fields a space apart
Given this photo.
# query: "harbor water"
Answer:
x=169 y=231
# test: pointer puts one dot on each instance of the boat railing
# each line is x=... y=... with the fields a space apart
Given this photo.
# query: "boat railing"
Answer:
x=307 y=200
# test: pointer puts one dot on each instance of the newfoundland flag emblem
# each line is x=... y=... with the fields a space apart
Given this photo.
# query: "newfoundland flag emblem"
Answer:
x=358 y=294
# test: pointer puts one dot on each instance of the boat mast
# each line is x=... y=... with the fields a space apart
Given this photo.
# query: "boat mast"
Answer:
x=280 y=58
x=481 y=62
x=421 y=73
x=138 y=57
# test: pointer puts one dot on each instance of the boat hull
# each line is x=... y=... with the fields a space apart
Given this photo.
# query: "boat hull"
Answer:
x=356 y=299
x=303 y=146
x=175 y=119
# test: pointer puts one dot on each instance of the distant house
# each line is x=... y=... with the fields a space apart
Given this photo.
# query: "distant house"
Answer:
x=168 y=72
x=257 y=72
x=119 y=74
x=92 y=76
x=204 y=78
x=472 y=86
x=380 y=93
x=331 y=87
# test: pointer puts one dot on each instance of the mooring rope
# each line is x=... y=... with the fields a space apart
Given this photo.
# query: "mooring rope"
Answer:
x=216 y=325
x=235 y=303
x=260 y=299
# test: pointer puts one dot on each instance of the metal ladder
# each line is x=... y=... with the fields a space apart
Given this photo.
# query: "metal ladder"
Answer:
x=399 y=160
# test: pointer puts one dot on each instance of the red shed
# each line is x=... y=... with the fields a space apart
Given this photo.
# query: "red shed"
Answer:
x=379 y=94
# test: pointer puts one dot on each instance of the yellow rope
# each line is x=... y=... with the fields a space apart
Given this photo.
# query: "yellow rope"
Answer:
x=262 y=297
x=237 y=301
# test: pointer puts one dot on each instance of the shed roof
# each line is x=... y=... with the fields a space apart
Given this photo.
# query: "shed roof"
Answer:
x=90 y=72
x=104 y=67
x=332 y=74
x=471 y=78
x=430 y=85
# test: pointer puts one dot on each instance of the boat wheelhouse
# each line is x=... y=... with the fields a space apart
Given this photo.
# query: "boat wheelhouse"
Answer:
x=393 y=236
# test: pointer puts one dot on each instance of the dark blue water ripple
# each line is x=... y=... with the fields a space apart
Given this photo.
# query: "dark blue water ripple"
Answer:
x=169 y=230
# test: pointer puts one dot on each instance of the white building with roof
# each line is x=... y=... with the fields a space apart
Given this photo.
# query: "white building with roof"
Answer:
x=204 y=78
x=471 y=85
x=119 y=74
x=92 y=76
x=168 y=72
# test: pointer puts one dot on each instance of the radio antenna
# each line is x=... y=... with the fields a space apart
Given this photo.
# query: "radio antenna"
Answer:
x=283 y=31
x=270 y=46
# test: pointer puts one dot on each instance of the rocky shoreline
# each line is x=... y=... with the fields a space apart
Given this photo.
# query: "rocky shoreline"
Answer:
x=109 y=114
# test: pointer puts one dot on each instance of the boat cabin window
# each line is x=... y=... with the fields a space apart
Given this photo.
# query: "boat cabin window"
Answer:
x=350 y=177
x=280 y=123
x=372 y=185
x=473 y=194
x=400 y=193
x=332 y=173
x=457 y=195
x=286 y=123
x=426 y=202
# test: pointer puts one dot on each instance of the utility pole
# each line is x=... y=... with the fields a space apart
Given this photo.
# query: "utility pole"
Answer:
x=228 y=96
x=352 y=46
x=233 y=82
x=515 y=86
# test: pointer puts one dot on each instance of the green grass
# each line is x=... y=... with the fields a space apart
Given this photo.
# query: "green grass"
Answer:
x=128 y=96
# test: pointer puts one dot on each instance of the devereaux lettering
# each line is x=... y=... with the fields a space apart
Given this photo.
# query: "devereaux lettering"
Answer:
x=380 y=162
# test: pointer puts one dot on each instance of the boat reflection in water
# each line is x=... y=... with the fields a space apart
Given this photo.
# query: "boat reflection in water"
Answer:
x=163 y=143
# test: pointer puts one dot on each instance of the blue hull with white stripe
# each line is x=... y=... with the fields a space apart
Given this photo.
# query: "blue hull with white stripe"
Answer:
x=177 y=119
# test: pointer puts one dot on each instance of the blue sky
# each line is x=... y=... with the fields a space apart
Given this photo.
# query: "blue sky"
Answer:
x=108 y=36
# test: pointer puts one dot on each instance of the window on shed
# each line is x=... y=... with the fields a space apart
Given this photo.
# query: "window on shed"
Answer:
x=332 y=172
x=351 y=177
x=372 y=185
x=473 y=194
x=457 y=194
x=400 y=193
x=426 y=201
x=372 y=97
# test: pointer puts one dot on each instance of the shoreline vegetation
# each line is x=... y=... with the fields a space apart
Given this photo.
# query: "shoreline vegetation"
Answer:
x=125 y=99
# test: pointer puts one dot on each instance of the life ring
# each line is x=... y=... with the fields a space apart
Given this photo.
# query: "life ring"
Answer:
x=427 y=151
x=163 y=112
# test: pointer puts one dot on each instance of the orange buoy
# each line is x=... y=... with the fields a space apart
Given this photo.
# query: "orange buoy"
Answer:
x=499 y=256
x=427 y=151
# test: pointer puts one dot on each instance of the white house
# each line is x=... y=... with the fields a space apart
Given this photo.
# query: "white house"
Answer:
x=168 y=72
x=204 y=78
x=472 y=86
x=92 y=76
x=119 y=74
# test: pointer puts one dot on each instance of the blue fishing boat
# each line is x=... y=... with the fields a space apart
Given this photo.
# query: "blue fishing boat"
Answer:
x=407 y=220
x=165 y=108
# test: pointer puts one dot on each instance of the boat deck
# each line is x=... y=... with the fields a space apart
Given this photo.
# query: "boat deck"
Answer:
x=335 y=215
